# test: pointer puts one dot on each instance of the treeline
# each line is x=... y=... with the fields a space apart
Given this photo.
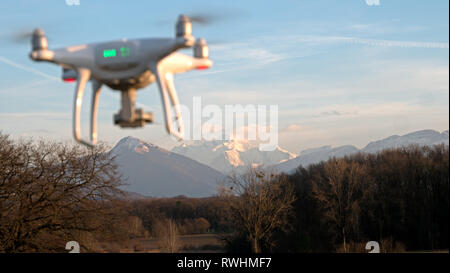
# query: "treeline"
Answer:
x=398 y=197
x=192 y=215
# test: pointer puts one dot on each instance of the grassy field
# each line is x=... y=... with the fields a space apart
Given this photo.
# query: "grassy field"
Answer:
x=430 y=251
x=196 y=243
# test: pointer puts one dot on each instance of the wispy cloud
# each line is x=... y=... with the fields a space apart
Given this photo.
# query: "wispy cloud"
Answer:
x=27 y=68
x=362 y=112
x=365 y=41
x=63 y=115
x=246 y=53
x=334 y=113
x=262 y=51
x=293 y=128
x=26 y=85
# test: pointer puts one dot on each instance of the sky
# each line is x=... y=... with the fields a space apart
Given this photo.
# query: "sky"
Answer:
x=341 y=72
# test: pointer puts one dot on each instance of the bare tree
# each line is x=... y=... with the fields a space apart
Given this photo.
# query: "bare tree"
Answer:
x=49 y=192
x=340 y=190
x=166 y=231
x=260 y=203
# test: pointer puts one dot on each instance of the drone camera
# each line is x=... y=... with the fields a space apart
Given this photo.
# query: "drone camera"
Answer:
x=140 y=118
x=128 y=116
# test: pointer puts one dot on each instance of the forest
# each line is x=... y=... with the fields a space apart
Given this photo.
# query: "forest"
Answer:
x=52 y=193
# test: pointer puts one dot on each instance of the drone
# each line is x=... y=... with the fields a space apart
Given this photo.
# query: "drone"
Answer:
x=127 y=66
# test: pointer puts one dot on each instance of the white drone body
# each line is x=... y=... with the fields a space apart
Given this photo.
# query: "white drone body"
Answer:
x=127 y=66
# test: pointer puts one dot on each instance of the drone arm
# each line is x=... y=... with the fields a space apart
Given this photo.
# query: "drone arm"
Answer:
x=167 y=90
x=83 y=78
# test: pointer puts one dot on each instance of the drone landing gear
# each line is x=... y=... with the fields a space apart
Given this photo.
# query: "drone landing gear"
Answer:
x=128 y=116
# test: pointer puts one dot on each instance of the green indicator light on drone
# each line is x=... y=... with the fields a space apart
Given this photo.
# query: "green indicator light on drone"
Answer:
x=109 y=53
x=125 y=51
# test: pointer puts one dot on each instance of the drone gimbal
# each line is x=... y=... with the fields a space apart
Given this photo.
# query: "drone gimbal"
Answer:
x=127 y=66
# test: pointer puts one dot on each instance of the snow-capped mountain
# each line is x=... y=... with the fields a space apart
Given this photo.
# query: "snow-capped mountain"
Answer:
x=153 y=171
x=316 y=155
x=422 y=138
x=233 y=155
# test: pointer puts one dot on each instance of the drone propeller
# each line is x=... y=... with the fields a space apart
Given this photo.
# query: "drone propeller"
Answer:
x=204 y=19
x=201 y=18
x=22 y=36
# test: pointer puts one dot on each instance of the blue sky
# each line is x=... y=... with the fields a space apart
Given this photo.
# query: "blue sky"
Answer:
x=341 y=72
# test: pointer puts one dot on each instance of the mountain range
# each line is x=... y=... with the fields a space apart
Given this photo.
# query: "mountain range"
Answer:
x=238 y=156
x=195 y=169
x=310 y=156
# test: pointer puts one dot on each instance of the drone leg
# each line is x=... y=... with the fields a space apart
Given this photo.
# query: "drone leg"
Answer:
x=164 y=90
x=175 y=101
x=96 y=89
x=83 y=78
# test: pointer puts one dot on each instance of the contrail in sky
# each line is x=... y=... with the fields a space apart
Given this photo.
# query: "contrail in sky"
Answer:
x=29 y=69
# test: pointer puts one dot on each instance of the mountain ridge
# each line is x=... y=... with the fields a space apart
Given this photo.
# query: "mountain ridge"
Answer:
x=157 y=172
x=316 y=155
x=153 y=171
x=232 y=155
